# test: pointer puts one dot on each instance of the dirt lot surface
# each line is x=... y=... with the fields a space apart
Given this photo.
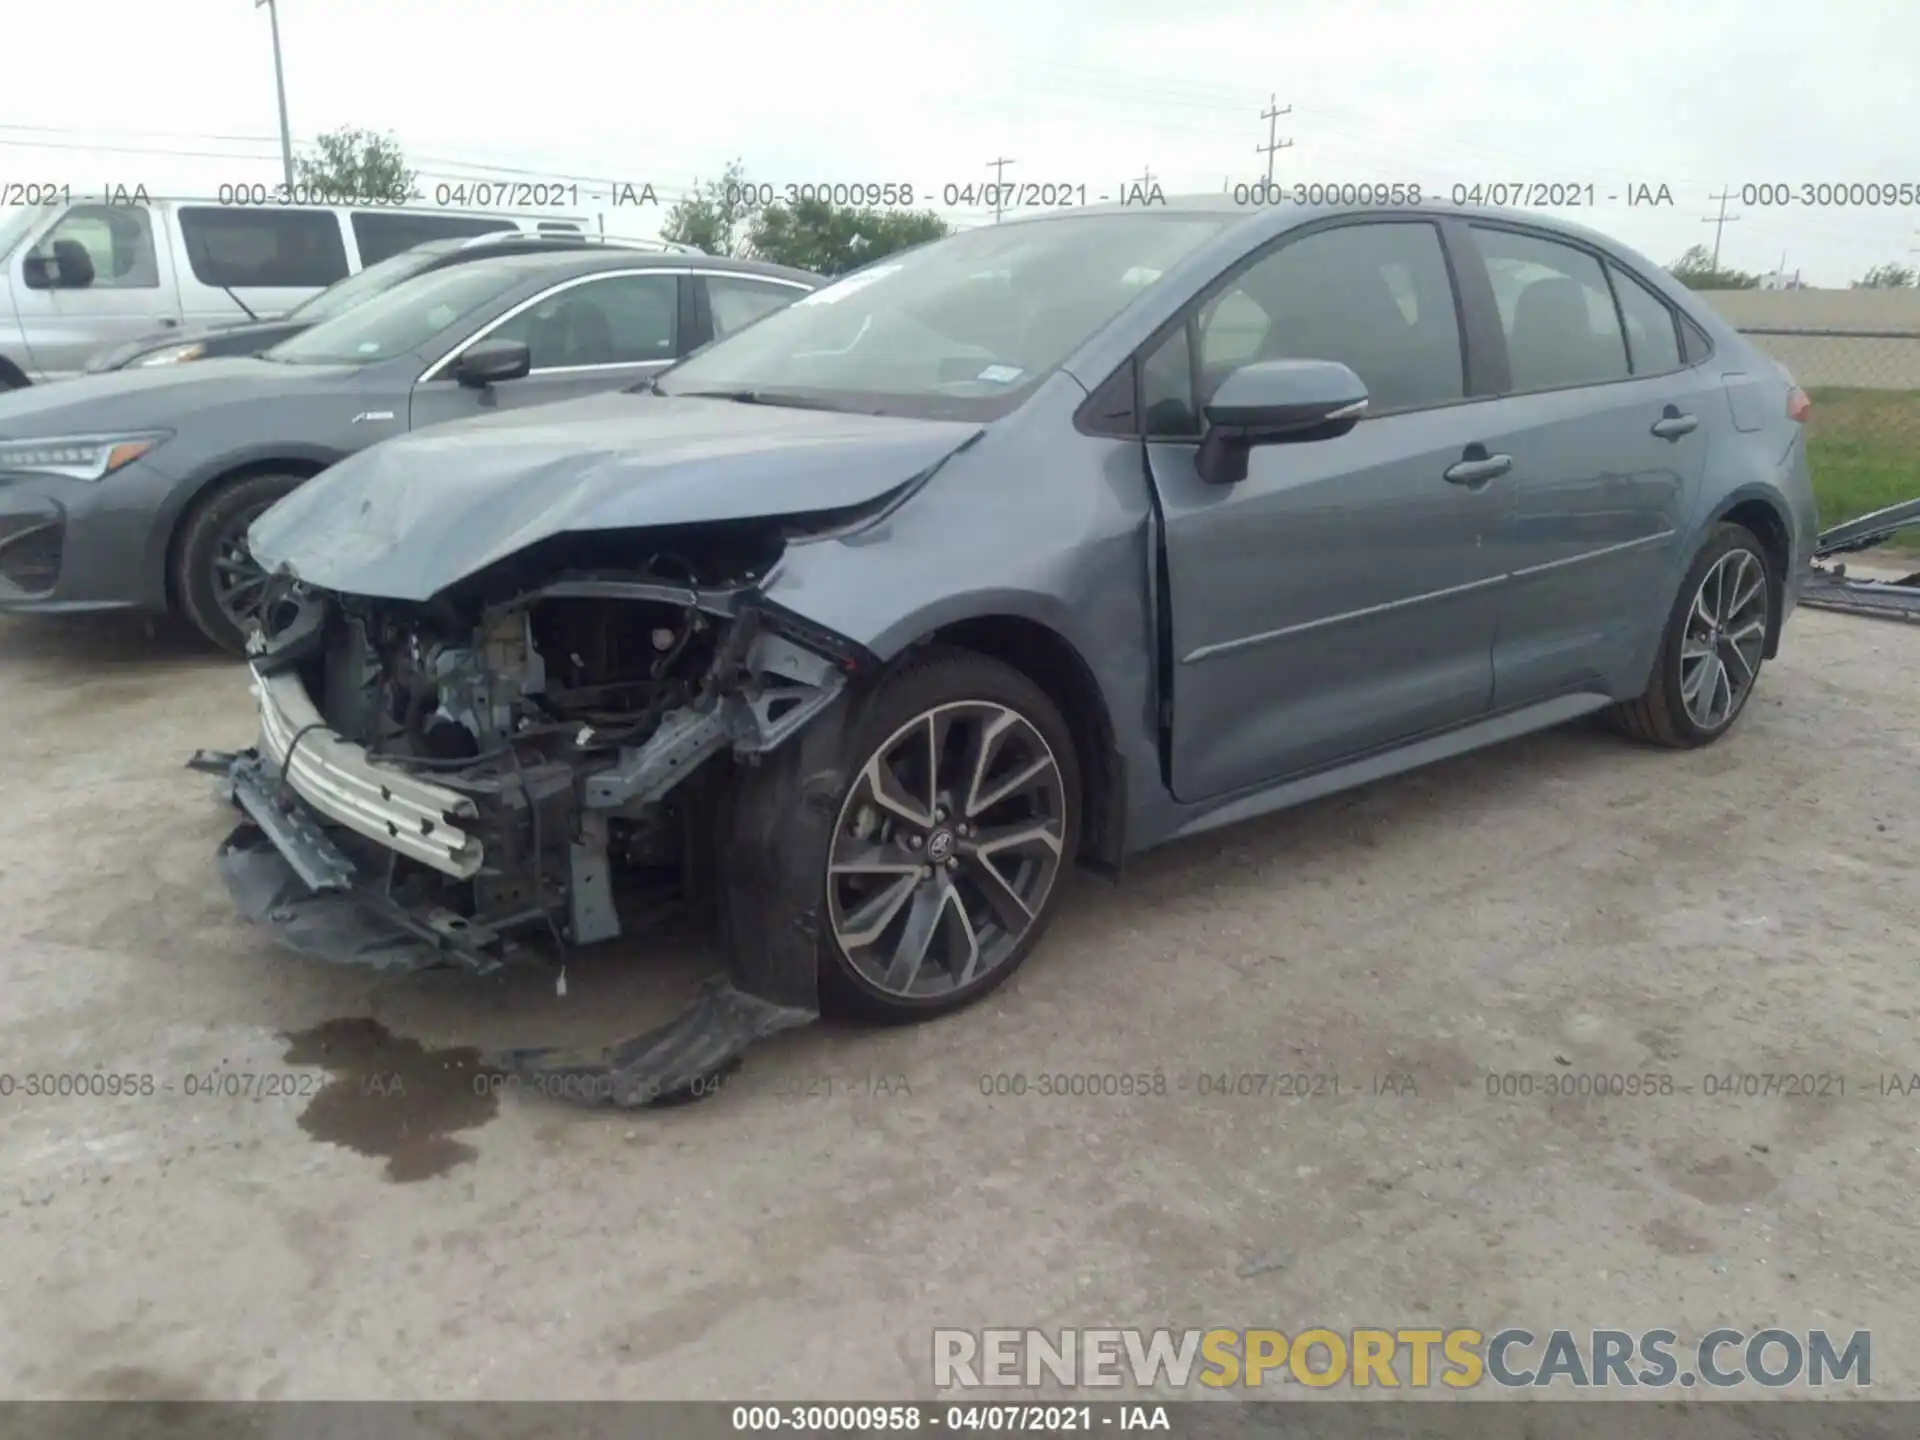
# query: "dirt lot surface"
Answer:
x=1565 y=905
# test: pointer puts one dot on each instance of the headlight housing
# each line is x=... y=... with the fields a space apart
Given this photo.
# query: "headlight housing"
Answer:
x=77 y=457
x=170 y=355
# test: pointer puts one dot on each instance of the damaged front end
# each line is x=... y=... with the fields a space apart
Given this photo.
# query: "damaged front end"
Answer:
x=523 y=766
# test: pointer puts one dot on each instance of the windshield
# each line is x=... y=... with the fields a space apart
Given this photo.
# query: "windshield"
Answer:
x=14 y=224
x=402 y=319
x=343 y=295
x=966 y=327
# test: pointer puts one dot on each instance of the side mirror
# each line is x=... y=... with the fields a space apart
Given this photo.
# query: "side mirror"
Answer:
x=69 y=267
x=1276 y=402
x=492 y=361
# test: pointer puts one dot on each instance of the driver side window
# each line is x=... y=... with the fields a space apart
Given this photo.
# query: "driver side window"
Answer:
x=619 y=320
x=118 y=239
x=1376 y=297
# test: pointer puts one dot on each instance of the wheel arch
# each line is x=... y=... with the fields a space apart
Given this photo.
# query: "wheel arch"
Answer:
x=1052 y=662
x=1764 y=515
x=12 y=377
x=303 y=461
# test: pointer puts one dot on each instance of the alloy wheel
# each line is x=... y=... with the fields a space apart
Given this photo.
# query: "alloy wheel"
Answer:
x=946 y=849
x=1726 y=631
x=239 y=581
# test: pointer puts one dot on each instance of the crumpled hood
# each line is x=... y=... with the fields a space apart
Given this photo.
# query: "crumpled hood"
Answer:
x=155 y=396
x=405 y=519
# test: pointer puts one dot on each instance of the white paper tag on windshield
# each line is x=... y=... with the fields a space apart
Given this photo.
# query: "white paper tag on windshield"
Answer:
x=852 y=285
x=1001 y=374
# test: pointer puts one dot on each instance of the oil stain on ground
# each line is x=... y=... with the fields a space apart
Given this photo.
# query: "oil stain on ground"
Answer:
x=391 y=1097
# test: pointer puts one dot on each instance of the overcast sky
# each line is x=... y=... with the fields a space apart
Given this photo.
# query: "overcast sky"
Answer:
x=1698 y=97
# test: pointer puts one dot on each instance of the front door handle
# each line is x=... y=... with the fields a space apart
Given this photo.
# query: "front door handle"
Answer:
x=1475 y=472
x=167 y=322
x=1672 y=425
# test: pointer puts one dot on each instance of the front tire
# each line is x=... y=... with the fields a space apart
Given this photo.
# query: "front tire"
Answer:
x=1711 y=654
x=955 y=821
x=215 y=579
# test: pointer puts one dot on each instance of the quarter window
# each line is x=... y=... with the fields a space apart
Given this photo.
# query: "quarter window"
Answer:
x=245 y=248
x=1377 y=298
x=621 y=320
x=119 y=241
x=1558 y=314
x=1653 y=344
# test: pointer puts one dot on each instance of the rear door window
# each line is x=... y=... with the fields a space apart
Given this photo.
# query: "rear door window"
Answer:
x=381 y=233
x=1556 y=310
x=737 y=301
x=1653 y=339
x=242 y=247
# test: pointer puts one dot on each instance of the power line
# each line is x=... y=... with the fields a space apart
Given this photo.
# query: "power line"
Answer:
x=1272 y=115
x=998 y=167
x=1719 y=222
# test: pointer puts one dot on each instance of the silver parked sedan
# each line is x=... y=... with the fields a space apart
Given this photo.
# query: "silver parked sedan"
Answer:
x=1037 y=546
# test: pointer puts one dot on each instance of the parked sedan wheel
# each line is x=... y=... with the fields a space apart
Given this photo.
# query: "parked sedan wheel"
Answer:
x=1711 y=655
x=958 y=819
x=219 y=585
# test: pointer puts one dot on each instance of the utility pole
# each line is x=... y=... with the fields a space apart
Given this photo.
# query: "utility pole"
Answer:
x=999 y=168
x=1720 y=222
x=1145 y=182
x=1272 y=116
x=280 y=84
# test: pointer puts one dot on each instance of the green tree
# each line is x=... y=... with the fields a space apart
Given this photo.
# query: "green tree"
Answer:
x=1886 y=277
x=830 y=239
x=352 y=161
x=1696 y=271
x=716 y=216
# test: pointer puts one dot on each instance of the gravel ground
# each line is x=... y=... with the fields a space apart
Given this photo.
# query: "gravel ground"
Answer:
x=1566 y=904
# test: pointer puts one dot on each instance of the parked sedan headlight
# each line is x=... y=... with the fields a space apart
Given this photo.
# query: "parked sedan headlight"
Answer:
x=78 y=457
x=170 y=355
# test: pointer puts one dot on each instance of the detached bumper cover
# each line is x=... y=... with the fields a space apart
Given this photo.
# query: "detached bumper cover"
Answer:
x=1829 y=587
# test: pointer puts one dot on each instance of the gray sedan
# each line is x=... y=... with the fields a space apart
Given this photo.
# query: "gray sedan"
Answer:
x=1035 y=547
x=134 y=489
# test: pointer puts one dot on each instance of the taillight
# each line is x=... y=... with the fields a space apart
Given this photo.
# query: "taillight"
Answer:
x=1798 y=406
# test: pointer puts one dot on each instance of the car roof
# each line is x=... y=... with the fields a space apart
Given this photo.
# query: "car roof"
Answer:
x=1266 y=220
x=589 y=258
x=1216 y=205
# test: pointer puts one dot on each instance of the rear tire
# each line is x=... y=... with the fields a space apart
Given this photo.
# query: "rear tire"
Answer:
x=214 y=578
x=1711 y=654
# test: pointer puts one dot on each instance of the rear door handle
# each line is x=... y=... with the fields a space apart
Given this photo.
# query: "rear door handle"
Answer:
x=1673 y=426
x=167 y=322
x=1475 y=473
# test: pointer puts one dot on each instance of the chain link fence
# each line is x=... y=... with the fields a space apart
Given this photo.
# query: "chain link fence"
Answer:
x=1857 y=354
x=1843 y=359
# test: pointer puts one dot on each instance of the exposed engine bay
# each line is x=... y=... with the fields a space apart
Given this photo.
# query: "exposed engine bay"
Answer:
x=514 y=762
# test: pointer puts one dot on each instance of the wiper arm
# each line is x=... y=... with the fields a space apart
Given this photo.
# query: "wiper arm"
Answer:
x=752 y=397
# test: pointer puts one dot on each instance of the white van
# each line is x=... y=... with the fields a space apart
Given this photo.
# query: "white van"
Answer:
x=162 y=264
